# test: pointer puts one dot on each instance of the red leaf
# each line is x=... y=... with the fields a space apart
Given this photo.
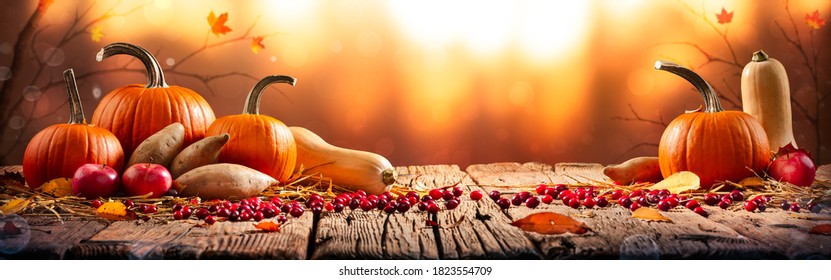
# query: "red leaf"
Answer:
x=724 y=17
x=824 y=229
x=814 y=21
x=218 y=23
x=257 y=44
x=268 y=226
x=550 y=223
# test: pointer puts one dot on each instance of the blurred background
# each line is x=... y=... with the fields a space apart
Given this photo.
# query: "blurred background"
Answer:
x=428 y=82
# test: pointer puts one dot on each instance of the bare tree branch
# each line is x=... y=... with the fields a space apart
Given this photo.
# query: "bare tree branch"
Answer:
x=638 y=118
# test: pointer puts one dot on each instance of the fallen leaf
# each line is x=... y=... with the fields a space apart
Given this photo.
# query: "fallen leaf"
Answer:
x=44 y=4
x=814 y=21
x=58 y=187
x=824 y=229
x=14 y=206
x=724 y=17
x=218 y=23
x=678 y=182
x=97 y=33
x=257 y=44
x=268 y=226
x=115 y=211
x=650 y=214
x=12 y=176
x=550 y=223
x=751 y=182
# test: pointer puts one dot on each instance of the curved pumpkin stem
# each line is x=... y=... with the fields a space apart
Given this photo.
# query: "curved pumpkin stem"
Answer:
x=155 y=76
x=711 y=102
x=76 y=111
x=252 y=102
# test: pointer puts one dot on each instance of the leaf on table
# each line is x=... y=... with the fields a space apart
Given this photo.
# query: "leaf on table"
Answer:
x=678 y=182
x=218 y=23
x=58 y=187
x=724 y=17
x=550 y=223
x=14 y=206
x=752 y=182
x=115 y=211
x=823 y=229
x=257 y=44
x=814 y=21
x=268 y=226
x=12 y=175
x=650 y=214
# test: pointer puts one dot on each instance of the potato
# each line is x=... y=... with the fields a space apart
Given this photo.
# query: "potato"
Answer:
x=639 y=169
x=200 y=153
x=223 y=181
x=161 y=147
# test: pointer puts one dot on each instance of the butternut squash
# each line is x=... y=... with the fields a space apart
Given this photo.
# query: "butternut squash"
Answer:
x=639 y=169
x=352 y=169
x=766 y=96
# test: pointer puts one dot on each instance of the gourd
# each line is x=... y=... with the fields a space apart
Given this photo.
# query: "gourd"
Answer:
x=258 y=141
x=353 y=169
x=58 y=150
x=134 y=112
x=714 y=144
x=766 y=96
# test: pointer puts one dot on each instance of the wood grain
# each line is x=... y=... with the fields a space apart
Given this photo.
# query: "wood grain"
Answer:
x=50 y=238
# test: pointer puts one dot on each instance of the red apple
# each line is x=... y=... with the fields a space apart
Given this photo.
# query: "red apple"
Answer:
x=94 y=180
x=144 y=178
x=794 y=166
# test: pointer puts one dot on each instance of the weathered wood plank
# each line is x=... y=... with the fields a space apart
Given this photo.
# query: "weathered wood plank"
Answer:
x=50 y=238
x=614 y=234
x=130 y=240
x=780 y=230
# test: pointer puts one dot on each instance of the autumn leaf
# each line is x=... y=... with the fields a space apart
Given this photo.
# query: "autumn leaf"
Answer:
x=814 y=21
x=44 y=4
x=96 y=33
x=257 y=44
x=15 y=205
x=550 y=223
x=752 y=182
x=268 y=226
x=218 y=23
x=58 y=187
x=115 y=211
x=12 y=176
x=9 y=228
x=678 y=182
x=724 y=17
x=650 y=214
x=824 y=229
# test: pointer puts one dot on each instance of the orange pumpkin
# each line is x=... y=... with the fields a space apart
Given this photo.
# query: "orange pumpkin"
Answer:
x=134 y=112
x=58 y=150
x=715 y=144
x=258 y=141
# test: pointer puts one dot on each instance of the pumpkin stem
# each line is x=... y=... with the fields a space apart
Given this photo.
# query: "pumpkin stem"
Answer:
x=252 y=102
x=389 y=176
x=760 y=56
x=155 y=76
x=76 y=111
x=711 y=102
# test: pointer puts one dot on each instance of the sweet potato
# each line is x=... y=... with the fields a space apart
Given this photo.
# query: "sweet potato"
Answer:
x=639 y=169
x=200 y=153
x=161 y=147
x=223 y=181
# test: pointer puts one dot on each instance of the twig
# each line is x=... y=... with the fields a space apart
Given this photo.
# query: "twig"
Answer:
x=638 y=117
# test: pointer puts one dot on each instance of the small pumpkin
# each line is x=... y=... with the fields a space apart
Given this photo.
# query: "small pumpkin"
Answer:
x=715 y=144
x=58 y=150
x=258 y=141
x=766 y=96
x=134 y=112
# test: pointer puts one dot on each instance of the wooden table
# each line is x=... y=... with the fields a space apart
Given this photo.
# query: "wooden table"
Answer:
x=475 y=230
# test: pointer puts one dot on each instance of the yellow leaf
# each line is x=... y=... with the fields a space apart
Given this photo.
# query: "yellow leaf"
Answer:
x=752 y=181
x=650 y=214
x=116 y=211
x=257 y=44
x=58 y=187
x=14 y=206
x=97 y=33
x=678 y=182
x=218 y=23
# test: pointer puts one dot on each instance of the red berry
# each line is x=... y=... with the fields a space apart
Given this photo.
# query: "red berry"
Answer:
x=390 y=208
x=541 y=189
x=210 y=220
x=432 y=208
x=664 y=193
x=403 y=207
x=574 y=203
x=664 y=205
x=711 y=199
x=723 y=204
x=366 y=205
x=692 y=204
x=795 y=207
x=178 y=207
x=503 y=203
x=476 y=195
x=268 y=212
x=412 y=200
x=435 y=193
x=451 y=204
x=96 y=203
x=422 y=206
x=547 y=199
x=643 y=200
x=813 y=207
x=494 y=195
x=338 y=208
x=426 y=197
x=150 y=209
x=673 y=202
x=532 y=202
x=634 y=206
x=589 y=202
x=761 y=207
x=296 y=211
x=354 y=203
x=458 y=191
x=552 y=192
x=560 y=187
x=202 y=213
x=177 y=215
x=282 y=219
x=785 y=205
x=317 y=209
x=602 y=202
x=700 y=211
x=244 y=216
x=736 y=195
x=636 y=193
x=517 y=200
x=617 y=194
x=329 y=207
x=382 y=202
x=186 y=211
x=360 y=193
x=626 y=202
x=525 y=195
x=447 y=195
x=129 y=203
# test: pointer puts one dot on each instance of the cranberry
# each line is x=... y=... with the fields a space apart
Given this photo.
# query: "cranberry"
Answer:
x=210 y=220
x=602 y=202
x=589 y=202
x=129 y=203
x=366 y=205
x=813 y=207
x=296 y=212
x=282 y=219
x=226 y=204
x=353 y=204
x=458 y=191
x=795 y=207
x=561 y=187
x=435 y=193
x=525 y=195
x=664 y=205
x=581 y=193
x=541 y=189
x=96 y=203
x=317 y=209
x=223 y=212
x=390 y=208
x=634 y=206
x=517 y=200
x=617 y=194
x=494 y=195
x=636 y=193
x=171 y=192
x=532 y=202
x=750 y=205
x=267 y=212
x=244 y=216
x=692 y=204
x=412 y=200
x=422 y=206
x=664 y=193
x=626 y=202
x=736 y=195
x=673 y=202
x=785 y=205
x=360 y=193
x=451 y=204
x=503 y=203
x=381 y=203
x=150 y=209
x=711 y=199
x=328 y=206
x=213 y=208
x=476 y=195
x=762 y=207
x=727 y=198
x=700 y=211
x=186 y=212
x=547 y=199
x=552 y=192
x=565 y=193
x=257 y=201
x=574 y=203
x=567 y=197
x=447 y=195
x=177 y=215
x=233 y=215
x=202 y=212
x=643 y=200
x=243 y=207
x=338 y=207
x=427 y=197
x=723 y=204
x=403 y=207
x=432 y=208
